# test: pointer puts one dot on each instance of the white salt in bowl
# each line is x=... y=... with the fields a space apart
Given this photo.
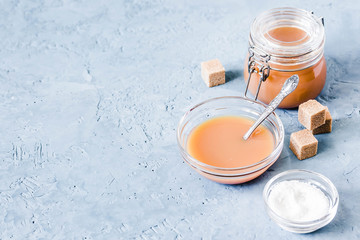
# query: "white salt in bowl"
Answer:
x=313 y=178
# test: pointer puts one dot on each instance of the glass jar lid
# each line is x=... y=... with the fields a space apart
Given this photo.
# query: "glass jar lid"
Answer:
x=290 y=36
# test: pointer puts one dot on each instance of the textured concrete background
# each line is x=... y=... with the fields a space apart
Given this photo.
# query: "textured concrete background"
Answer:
x=91 y=94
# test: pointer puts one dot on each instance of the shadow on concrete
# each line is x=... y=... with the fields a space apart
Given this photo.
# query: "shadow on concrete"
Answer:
x=232 y=74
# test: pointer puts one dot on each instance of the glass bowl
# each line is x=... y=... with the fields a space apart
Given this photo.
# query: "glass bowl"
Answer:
x=316 y=179
x=229 y=106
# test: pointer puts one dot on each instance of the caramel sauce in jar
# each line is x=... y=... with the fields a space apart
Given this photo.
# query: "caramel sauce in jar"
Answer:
x=284 y=42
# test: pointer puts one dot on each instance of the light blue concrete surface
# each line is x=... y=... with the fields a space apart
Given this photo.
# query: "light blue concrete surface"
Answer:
x=91 y=94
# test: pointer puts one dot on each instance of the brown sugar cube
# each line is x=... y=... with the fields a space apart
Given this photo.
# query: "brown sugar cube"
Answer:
x=213 y=72
x=327 y=126
x=311 y=114
x=303 y=144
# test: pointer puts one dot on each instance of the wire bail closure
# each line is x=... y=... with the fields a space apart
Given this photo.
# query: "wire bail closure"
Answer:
x=262 y=68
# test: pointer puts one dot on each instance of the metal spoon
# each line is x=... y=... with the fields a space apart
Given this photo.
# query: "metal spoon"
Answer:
x=288 y=87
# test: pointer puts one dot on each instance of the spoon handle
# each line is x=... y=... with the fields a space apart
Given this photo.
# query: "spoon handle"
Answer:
x=288 y=87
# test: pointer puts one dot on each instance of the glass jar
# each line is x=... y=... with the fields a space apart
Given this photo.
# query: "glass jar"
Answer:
x=284 y=42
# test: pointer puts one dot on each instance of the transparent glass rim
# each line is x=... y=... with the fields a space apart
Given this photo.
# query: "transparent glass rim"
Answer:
x=277 y=148
x=308 y=52
x=301 y=223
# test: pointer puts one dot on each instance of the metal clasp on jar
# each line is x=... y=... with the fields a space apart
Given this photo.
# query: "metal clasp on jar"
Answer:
x=259 y=66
